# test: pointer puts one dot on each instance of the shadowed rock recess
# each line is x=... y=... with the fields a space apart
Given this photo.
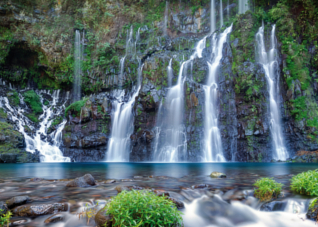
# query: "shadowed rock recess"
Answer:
x=131 y=52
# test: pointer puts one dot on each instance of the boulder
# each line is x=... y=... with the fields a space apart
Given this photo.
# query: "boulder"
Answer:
x=312 y=212
x=17 y=201
x=85 y=181
x=119 y=188
x=34 y=210
x=3 y=207
x=110 y=181
x=217 y=175
x=274 y=206
x=102 y=219
x=54 y=218
x=178 y=203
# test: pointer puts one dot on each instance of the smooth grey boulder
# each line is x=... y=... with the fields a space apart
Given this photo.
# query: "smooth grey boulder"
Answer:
x=17 y=201
x=85 y=181
x=34 y=210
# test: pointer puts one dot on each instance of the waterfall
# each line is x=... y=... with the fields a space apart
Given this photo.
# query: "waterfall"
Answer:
x=170 y=73
x=243 y=6
x=78 y=58
x=121 y=70
x=122 y=124
x=166 y=19
x=269 y=61
x=174 y=147
x=49 y=152
x=228 y=10
x=171 y=140
x=212 y=16
x=221 y=14
x=212 y=138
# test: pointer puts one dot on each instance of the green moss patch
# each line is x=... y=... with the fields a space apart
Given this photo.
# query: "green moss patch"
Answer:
x=33 y=101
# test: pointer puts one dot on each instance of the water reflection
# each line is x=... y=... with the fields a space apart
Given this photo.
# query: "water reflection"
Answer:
x=128 y=170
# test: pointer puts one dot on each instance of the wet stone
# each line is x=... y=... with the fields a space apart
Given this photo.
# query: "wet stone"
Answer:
x=102 y=219
x=54 y=218
x=274 y=206
x=3 y=207
x=178 y=203
x=85 y=181
x=110 y=181
x=217 y=175
x=200 y=186
x=39 y=209
x=119 y=189
x=17 y=201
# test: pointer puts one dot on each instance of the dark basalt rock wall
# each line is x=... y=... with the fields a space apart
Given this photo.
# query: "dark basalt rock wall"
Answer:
x=243 y=95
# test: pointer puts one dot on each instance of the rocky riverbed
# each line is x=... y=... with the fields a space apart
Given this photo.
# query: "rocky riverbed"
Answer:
x=63 y=202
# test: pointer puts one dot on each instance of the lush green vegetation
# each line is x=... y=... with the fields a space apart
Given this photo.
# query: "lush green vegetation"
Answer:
x=5 y=218
x=33 y=117
x=143 y=208
x=267 y=189
x=33 y=100
x=305 y=183
x=14 y=98
x=3 y=114
x=75 y=107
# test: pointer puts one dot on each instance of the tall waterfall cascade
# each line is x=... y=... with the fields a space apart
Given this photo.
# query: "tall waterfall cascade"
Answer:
x=165 y=22
x=49 y=149
x=221 y=14
x=119 y=145
x=269 y=60
x=212 y=17
x=78 y=56
x=213 y=151
x=243 y=6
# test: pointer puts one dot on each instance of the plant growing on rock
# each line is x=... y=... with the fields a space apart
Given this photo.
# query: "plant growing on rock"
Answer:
x=76 y=107
x=305 y=183
x=267 y=188
x=33 y=100
x=143 y=208
x=5 y=218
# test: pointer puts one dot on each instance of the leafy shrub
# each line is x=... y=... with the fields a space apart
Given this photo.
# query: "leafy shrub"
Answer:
x=33 y=100
x=3 y=114
x=305 y=183
x=33 y=117
x=14 y=98
x=5 y=218
x=76 y=107
x=267 y=188
x=143 y=208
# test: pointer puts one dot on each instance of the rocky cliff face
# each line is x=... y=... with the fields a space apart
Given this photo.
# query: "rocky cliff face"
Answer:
x=37 y=40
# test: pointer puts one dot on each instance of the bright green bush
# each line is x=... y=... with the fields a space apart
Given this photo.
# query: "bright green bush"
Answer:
x=306 y=183
x=33 y=117
x=5 y=218
x=76 y=107
x=267 y=188
x=143 y=208
x=33 y=100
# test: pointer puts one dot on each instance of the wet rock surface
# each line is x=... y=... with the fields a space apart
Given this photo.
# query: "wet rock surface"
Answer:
x=102 y=219
x=54 y=218
x=39 y=209
x=16 y=201
x=85 y=181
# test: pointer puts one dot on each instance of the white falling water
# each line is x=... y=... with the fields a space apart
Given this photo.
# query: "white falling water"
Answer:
x=228 y=9
x=170 y=73
x=243 y=6
x=78 y=56
x=49 y=153
x=174 y=147
x=221 y=14
x=212 y=16
x=165 y=22
x=131 y=49
x=122 y=125
x=270 y=64
x=213 y=151
x=171 y=140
